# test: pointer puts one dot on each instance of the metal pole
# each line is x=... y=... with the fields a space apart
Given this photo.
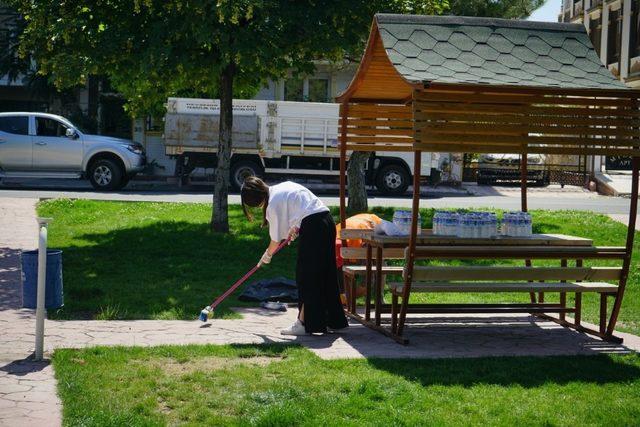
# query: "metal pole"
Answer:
x=42 y=277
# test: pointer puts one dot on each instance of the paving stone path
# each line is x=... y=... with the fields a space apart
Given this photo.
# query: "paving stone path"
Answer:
x=27 y=388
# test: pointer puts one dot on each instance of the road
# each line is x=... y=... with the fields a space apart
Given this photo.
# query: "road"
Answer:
x=552 y=198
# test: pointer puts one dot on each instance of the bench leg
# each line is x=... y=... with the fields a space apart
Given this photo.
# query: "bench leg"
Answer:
x=379 y=287
x=532 y=295
x=563 y=295
x=367 y=301
x=347 y=289
x=350 y=291
x=603 y=313
x=578 y=314
x=354 y=292
x=394 y=312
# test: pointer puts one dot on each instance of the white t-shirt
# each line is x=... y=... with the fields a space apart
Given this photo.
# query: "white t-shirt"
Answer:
x=289 y=204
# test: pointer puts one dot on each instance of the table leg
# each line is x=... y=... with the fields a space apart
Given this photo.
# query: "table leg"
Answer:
x=367 y=296
x=578 y=313
x=563 y=295
x=394 y=313
x=379 y=286
x=603 y=313
x=532 y=295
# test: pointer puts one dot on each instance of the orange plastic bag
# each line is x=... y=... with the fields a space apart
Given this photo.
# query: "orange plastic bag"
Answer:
x=362 y=221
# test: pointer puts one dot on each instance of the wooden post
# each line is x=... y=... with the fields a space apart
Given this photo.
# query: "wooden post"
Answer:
x=631 y=229
x=415 y=208
x=563 y=295
x=603 y=313
x=367 y=291
x=379 y=285
x=344 y=114
x=523 y=181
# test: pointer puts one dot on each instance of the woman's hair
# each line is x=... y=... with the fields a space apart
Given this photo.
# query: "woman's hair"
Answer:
x=254 y=193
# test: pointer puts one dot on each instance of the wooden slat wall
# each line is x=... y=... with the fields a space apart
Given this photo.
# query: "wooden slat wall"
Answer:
x=379 y=79
x=549 y=122
x=378 y=127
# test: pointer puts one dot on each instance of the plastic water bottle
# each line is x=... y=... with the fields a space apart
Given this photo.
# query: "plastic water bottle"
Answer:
x=402 y=220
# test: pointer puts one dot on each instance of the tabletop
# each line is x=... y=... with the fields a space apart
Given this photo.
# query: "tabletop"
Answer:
x=427 y=238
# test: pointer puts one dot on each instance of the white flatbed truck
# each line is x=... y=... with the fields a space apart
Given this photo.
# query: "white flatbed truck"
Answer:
x=275 y=138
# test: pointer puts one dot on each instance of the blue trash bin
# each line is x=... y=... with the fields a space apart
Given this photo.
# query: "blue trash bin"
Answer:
x=53 y=293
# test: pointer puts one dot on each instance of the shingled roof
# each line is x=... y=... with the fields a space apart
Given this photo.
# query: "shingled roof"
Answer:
x=446 y=49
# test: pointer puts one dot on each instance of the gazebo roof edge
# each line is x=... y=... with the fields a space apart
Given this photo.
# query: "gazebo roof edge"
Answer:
x=391 y=18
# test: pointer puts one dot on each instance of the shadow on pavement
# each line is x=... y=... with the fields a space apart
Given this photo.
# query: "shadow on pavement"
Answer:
x=10 y=279
x=24 y=367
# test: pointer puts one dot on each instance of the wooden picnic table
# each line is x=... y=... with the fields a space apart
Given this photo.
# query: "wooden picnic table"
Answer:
x=470 y=247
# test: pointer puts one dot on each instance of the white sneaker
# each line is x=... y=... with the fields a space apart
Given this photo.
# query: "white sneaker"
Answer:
x=296 y=329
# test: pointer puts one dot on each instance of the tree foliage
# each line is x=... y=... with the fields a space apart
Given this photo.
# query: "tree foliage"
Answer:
x=510 y=9
x=152 y=49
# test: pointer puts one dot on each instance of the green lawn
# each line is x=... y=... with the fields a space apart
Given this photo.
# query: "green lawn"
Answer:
x=279 y=385
x=125 y=260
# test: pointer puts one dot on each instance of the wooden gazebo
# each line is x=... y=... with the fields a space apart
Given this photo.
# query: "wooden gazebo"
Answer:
x=479 y=85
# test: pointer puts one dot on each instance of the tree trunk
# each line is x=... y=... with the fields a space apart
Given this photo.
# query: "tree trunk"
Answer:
x=220 y=214
x=357 y=189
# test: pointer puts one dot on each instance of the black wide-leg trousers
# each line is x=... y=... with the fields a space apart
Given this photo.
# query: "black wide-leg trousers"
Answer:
x=317 y=275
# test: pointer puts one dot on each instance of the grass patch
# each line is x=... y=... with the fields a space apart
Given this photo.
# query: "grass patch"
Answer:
x=224 y=385
x=141 y=260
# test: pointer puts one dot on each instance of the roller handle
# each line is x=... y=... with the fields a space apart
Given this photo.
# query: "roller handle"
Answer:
x=244 y=278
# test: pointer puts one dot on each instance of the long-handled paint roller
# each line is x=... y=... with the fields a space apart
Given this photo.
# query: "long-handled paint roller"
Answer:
x=207 y=312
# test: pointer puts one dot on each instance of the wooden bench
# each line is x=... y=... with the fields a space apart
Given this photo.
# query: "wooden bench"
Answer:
x=525 y=279
x=351 y=271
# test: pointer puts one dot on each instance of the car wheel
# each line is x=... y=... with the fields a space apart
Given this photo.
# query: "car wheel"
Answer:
x=392 y=180
x=241 y=170
x=106 y=175
x=484 y=181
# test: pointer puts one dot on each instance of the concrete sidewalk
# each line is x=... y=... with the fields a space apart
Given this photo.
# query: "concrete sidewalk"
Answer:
x=28 y=389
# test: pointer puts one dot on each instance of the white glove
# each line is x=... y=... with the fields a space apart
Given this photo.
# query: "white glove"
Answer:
x=293 y=234
x=266 y=258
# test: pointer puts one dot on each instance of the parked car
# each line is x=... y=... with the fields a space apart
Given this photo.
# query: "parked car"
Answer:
x=40 y=145
x=506 y=167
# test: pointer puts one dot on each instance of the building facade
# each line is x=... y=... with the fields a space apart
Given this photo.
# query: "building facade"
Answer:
x=327 y=82
x=614 y=27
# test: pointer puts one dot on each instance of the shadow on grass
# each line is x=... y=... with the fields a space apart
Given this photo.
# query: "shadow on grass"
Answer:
x=525 y=372
x=165 y=270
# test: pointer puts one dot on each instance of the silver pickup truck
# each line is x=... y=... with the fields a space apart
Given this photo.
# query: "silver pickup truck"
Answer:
x=40 y=145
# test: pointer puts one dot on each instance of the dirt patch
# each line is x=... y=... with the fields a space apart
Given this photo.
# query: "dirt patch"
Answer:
x=212 y=363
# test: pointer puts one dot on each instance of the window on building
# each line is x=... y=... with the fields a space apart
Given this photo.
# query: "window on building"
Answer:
x=294 y=89
x=614 y=37
x=595 y=33
x=634 y=40
x=17 y=125
x=318 y=90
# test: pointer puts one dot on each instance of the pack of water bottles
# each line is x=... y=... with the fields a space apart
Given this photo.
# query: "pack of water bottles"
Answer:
x=446 y=223
x=517 y=224
x=478 y=225
x=466 y=225
x=402 y=220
